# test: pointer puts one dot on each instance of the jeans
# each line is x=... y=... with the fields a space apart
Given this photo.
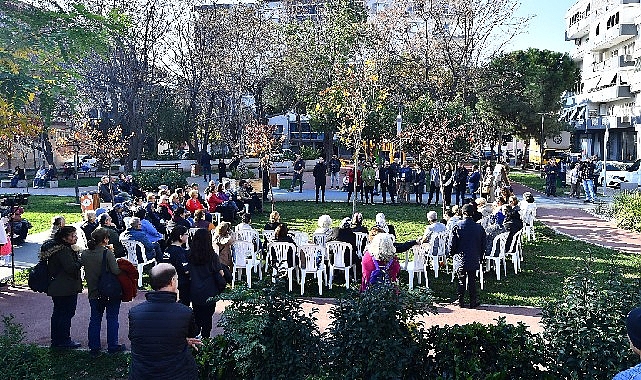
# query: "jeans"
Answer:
x=588 y=187
x=98 y=307
x=335 y=180
x=39 y=182
x=64 y=308
x=298 y=177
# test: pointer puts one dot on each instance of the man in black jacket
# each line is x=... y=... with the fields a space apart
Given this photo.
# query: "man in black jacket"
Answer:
x=460 y=183
x=320 y=179
x=467 y=246
x=161 y=331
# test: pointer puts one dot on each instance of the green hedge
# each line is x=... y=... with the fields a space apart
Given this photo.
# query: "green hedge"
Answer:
x=626 y=209
x=150 y=179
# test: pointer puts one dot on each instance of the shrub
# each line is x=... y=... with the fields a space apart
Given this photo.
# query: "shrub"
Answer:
x=371 y=335
x=243 y=172
x=271 y=336
x=626 y=209
x=215 y=359
x=585 y=327
x=477 y=351
x=151 y=179
x=309 y=153
x=20 y=360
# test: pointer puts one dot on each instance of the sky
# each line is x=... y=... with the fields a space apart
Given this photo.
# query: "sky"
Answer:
x=546 y=29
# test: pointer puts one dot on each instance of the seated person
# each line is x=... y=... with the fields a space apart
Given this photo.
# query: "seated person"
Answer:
x=67 y=170
x=105 y=222
x=52 y=173
x=151 y=215
x=40 y=179
x=134 y=232
x=106 y=189
x=282 y=235
x=357 y=223
x=90 y=223
x=325 y=228
x=178 y=219
x=164 y=209
x=245 y=223
x=147 y=227
x=381 y=252
x=117 y=217
x=18 y=175
x=246 y=195
x=382 y=224
x=347 y=235
x=434 y=226
x=19 y=227
x=201 y=222
x=194 y=203
x=274 y=221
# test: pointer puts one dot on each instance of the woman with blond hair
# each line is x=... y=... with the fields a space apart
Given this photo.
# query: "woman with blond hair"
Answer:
x=223 y=239
x=274 y=221
x=380 y=254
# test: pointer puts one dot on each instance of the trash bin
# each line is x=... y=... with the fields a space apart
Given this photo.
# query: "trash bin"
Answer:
x=195 y=170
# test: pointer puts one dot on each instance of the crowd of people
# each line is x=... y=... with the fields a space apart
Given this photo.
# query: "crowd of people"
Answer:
x=579 y=175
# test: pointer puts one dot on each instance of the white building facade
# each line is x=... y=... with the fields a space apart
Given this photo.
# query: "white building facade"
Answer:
x=605 y=108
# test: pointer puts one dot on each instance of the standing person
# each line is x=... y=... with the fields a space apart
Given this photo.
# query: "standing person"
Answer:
x=419 y=183
x=222 y=170
x=369 y=179
x=633 y=328
x=299 y=167
x=474 y=180
x=573 y=179
x=350 y=182
x=334 y=172
x=405 y=176
x=487 y=185
x=320 y=177
x=205 y=163
x=223 y=239
x=435 y=184
x=161 y=330
x=204 y=266
x=265 y=167
x=551 y=171
x=460 y=183
x=383 y=175
x=467 y=245
x=563 y=167
x=92 y=261
x=177 y=255
x=587 y=177
x=392 y=179
x=63 y=263
x=448 y=183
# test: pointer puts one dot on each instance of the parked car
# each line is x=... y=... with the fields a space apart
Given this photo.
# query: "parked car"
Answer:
x=613 y=175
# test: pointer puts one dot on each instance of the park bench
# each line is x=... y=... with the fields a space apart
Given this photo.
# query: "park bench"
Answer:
x=89 y=173
x=166 y=165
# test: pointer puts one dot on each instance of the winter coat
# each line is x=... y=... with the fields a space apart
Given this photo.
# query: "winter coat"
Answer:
x=158 y=331
x=320 y=177
x=92 y=262
x=64 y=266
x=128 y=279
x=468 y=243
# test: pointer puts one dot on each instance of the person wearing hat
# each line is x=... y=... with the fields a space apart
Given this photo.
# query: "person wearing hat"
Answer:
x=299 y=167
x=334 y=167
x=633 y=328
x=467 y=245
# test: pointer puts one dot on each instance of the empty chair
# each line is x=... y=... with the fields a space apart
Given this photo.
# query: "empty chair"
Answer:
x=361 y=239
x=245 y=258
x=497 y=255
x=340 y=258
x=133 y=247
x=417 y=265
x=311 y=258
x=251 y=236
x=278 y=252
x=216 y=216
x=435 y=250
x=515 y=251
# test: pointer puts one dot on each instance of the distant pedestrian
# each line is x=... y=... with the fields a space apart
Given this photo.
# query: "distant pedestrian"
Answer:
x=320 y=178
x=587 y=177
x=334 y=172
x=448 y=184
x=222 y=170
x=573 y=179
x=205 y=163
x=299 y=168
x=551 y=171
x=435 y=184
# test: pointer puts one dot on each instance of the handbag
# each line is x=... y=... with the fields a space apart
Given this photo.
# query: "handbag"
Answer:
x=108 y=285
x=222 y=280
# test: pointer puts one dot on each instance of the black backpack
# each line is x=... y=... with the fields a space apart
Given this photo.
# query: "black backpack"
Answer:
x=108 y=285
x=39 y=277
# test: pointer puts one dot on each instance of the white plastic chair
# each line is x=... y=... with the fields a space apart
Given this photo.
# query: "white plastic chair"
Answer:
x=82 y=239
x=528 y=224
x=361 y=237
x=269 y=235
x=497 y=255
x=279 y=251
x=245 y=258
x=319 y=239
x=251 y=236
x=340 y=258
x=417 y=265
x=515 y=251
x=132 y=247
x=308 y=255
x=300 y=237
x=217 y=216
x=436 y=251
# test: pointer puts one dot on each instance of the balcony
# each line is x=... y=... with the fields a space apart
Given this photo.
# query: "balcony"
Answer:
x=613 y=63
x=613 y=122
x=614 y=36
x=579 y=28
x=635 y=82
x=579 y=51
x=611 y=94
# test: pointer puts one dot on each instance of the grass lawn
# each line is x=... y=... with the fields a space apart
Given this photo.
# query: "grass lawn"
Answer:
x=532 y=180
x=41 y=209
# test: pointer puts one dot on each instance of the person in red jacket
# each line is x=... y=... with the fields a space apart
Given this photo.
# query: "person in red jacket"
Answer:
x=128 y=279
x=193 y=203
x=214 y=200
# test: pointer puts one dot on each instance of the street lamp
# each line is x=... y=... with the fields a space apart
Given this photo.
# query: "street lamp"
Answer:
x=399 y=124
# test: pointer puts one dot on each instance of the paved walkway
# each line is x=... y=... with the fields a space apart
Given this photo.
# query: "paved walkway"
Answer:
x=567 y=216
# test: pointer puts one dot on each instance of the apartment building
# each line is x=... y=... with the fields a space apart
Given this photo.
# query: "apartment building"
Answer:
x=605 y=107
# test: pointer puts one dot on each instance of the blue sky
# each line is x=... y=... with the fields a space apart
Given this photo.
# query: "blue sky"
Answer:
x=547 y=29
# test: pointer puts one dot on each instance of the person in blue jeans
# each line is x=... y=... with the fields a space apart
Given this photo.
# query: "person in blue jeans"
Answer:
x=92 y=261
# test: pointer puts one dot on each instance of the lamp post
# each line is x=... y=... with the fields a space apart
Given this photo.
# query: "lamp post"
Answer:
x=399 y=124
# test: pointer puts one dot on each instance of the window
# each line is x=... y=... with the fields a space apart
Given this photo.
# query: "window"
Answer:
x=597 y=29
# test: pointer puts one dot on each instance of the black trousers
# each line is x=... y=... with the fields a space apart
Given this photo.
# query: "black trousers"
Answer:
x=369 y=194
x=447 y=195
x=64 y=308
x=384 y=191
x=322 y=191
x=203 y=315
x=470 y=275
x=392 y=191
x=418 y=191
x=460 y=195
x=434 y=190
